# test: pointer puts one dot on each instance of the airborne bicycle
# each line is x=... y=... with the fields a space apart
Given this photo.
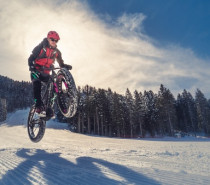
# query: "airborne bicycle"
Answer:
x=61 y=89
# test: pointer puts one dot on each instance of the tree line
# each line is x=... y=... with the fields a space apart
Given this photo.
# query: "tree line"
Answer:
x=16 y=95
x=107 y=113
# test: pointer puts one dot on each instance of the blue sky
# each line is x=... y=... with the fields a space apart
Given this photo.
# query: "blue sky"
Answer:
x=182 y=22
x=119 y=44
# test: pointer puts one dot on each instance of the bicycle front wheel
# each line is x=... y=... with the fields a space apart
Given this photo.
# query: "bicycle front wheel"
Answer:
x=67 y=99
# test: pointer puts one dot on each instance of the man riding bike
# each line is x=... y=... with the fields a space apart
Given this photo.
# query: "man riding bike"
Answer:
x=42 y=57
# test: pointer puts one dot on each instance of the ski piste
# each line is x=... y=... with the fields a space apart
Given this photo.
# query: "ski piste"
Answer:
x=64 y=157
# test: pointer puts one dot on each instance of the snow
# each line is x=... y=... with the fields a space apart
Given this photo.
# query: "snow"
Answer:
x=63 y=157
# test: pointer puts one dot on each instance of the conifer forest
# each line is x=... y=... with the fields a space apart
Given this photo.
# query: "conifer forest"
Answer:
x=134 y=114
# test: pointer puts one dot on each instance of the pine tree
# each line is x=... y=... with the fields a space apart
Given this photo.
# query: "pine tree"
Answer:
x=3 y=109
x=189 y=109
x=167 y=111
x=79 y=111
x=203 y=112
x=87 y=107
x=151 y=112
x=110 y=109
x=130 y=106
x=139 y=112
x=180 y=113
x=116 y=115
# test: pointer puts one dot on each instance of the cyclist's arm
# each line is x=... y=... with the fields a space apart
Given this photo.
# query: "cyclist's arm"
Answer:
x=60 y=60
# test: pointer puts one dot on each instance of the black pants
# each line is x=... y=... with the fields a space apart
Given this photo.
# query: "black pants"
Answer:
x=36 y=80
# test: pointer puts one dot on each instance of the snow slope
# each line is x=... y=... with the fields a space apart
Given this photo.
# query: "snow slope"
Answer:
x=63 y=157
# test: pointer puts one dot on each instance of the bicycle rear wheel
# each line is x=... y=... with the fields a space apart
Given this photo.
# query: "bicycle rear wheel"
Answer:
x=67 y=99
x=35 y=125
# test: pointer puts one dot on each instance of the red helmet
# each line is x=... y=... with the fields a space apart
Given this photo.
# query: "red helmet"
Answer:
x=53 y=34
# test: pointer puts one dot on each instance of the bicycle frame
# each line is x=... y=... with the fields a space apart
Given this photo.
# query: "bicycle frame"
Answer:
x=51 y=90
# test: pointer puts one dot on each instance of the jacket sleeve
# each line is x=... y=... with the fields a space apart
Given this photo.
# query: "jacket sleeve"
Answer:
x=35 y=53
x=60 y=60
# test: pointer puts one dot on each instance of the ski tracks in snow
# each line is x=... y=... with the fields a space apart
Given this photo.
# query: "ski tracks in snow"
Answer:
x=65 y=158
x=35 y=166
x=32 y=166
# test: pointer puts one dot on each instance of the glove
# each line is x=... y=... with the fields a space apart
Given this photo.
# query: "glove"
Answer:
x=68 y=67
x=35 y=75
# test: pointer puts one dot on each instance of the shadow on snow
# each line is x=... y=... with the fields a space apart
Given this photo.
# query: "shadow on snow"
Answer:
x=42 y=167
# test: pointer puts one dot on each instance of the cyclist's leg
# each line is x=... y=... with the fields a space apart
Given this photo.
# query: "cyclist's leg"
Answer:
x=49 y=110
x=36 y=89
x=40 y=108
x=43 y=78
x=36 y=80
x=37 y=93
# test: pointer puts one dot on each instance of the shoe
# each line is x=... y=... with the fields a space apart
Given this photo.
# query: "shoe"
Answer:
x=50 y=113
x=40 y=110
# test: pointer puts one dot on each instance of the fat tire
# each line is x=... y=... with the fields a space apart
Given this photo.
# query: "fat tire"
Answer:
x=70 y=110
x=41 y=126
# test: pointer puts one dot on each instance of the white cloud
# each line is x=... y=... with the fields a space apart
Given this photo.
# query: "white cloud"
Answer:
x=102 y=55
x=132 y=22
